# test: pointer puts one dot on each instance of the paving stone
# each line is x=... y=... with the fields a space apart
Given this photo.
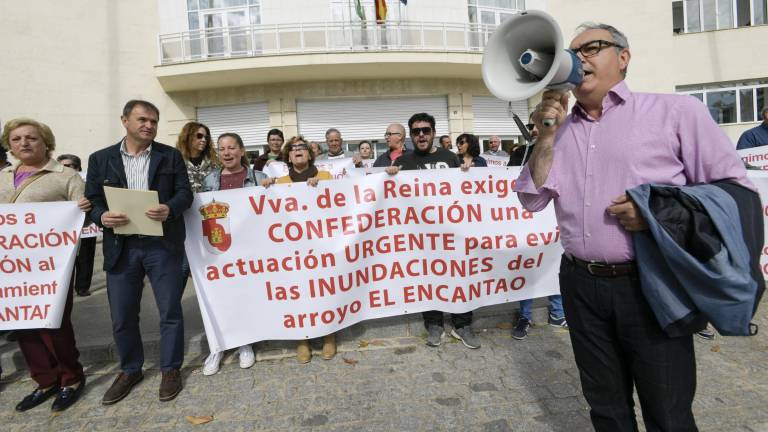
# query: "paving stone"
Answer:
x=397 y=384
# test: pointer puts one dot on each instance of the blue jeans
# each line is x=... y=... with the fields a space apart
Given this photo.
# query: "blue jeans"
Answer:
x=125 y=283
x=555 y=307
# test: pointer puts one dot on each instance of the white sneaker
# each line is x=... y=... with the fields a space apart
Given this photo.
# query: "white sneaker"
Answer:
x=247 y=357
x=212 y=362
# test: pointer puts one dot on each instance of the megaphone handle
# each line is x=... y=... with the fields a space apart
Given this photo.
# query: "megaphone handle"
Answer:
x=548 y=122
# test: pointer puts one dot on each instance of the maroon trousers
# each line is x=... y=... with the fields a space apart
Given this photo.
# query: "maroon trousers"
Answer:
x=51 y=354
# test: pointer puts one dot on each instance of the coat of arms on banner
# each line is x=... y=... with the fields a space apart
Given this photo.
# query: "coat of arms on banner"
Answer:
x=216 y=226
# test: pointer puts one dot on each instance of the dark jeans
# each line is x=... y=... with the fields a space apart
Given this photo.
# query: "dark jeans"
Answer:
x=125 y=282
x=618 y=343
x=84 y=264
x=436 y=318
x=51 y=354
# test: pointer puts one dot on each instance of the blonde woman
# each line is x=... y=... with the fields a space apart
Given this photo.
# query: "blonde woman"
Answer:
x=51 y=354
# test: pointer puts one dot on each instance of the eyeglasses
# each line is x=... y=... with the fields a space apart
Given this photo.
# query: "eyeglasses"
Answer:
x=530 y=126
x=593 y=48
x=389 y=134
x=299 y=147
x=201 y=136
x=423 y=130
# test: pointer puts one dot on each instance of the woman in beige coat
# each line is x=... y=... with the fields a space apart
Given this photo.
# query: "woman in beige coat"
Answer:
x=51 y=354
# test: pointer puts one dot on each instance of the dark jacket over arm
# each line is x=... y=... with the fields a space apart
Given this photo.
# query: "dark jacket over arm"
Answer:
x=167 y=175
x=699 y=259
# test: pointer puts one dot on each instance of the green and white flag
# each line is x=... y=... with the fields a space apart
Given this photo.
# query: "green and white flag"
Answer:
x=359 y=9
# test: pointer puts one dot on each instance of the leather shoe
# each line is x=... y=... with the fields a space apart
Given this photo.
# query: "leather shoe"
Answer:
x=121 y=387
x=84 y=293
x=36 y=398
x=67 y=396
x=170 y=385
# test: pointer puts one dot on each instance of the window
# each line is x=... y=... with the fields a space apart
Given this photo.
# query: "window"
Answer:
x=493 y=12
x=224 y=27
x=722 y=106
x=485 y=15
x=344 y=11
x=678 y=22
x=197 y=10
x=691 y=16
x=731 y=102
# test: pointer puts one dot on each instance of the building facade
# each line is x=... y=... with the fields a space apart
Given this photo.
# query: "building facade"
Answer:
x=306 y=65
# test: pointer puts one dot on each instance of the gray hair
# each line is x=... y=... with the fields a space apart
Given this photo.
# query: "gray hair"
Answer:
x=330 y=131
x=765 y=110
x=618 y=37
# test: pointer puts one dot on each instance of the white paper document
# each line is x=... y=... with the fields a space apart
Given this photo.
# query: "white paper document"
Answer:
x=134 y=203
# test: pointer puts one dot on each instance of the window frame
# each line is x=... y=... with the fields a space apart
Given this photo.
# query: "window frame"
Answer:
x=734 y=15
x=704 y=90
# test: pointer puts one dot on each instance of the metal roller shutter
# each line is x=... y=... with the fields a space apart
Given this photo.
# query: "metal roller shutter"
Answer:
x=250 y=121
x=359 y=119
x=492 y=116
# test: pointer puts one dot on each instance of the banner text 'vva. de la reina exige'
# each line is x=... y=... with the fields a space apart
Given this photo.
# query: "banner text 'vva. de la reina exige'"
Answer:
x=295 y=261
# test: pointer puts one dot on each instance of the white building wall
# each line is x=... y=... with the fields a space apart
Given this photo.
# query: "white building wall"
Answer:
x=74 y=65
x=172 y=16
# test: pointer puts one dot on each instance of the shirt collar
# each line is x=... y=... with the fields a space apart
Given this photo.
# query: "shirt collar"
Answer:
x=52 y=165
x=617 y=95
x=124 y=150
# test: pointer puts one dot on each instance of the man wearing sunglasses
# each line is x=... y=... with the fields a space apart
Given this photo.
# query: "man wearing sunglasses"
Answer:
x=395 y=137
x=427 y=156
x=614 y=140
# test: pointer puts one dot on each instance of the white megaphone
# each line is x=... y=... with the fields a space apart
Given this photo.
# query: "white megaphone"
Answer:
x=525 y=55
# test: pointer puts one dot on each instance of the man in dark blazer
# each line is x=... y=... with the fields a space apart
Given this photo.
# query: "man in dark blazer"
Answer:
x=138 y=162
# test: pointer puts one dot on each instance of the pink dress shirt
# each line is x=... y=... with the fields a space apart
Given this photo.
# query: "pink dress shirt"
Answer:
x=641 y=138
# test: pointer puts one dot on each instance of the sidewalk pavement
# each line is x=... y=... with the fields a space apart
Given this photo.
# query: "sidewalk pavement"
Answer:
x=383 y=379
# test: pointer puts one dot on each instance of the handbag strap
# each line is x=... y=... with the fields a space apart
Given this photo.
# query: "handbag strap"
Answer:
x=31 y=179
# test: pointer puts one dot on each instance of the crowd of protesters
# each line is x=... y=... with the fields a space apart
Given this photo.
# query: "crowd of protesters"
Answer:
x=586 y=157
x=198 y=163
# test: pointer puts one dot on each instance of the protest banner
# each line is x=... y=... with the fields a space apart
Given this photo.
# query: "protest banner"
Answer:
x=90 y=231
x=38 y=244
x=295 y=261
x=339 y=168
x=496 y=161
x=760 y=180
x=756 y=157
x=367 y=163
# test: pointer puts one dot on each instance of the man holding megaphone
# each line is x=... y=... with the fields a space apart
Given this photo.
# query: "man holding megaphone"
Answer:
x=614 y=140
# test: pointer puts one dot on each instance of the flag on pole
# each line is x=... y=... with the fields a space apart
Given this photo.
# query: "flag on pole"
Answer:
x=359 y=9
x=381 y=11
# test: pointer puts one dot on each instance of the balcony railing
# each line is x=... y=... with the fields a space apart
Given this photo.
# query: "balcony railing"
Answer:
x=333 y=37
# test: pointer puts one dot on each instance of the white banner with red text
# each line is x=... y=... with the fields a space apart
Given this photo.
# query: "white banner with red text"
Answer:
x=339 y=168
x=496 y=161
x=760 y=180
x=756 y=157
x=295 y=261
x=38 y=245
